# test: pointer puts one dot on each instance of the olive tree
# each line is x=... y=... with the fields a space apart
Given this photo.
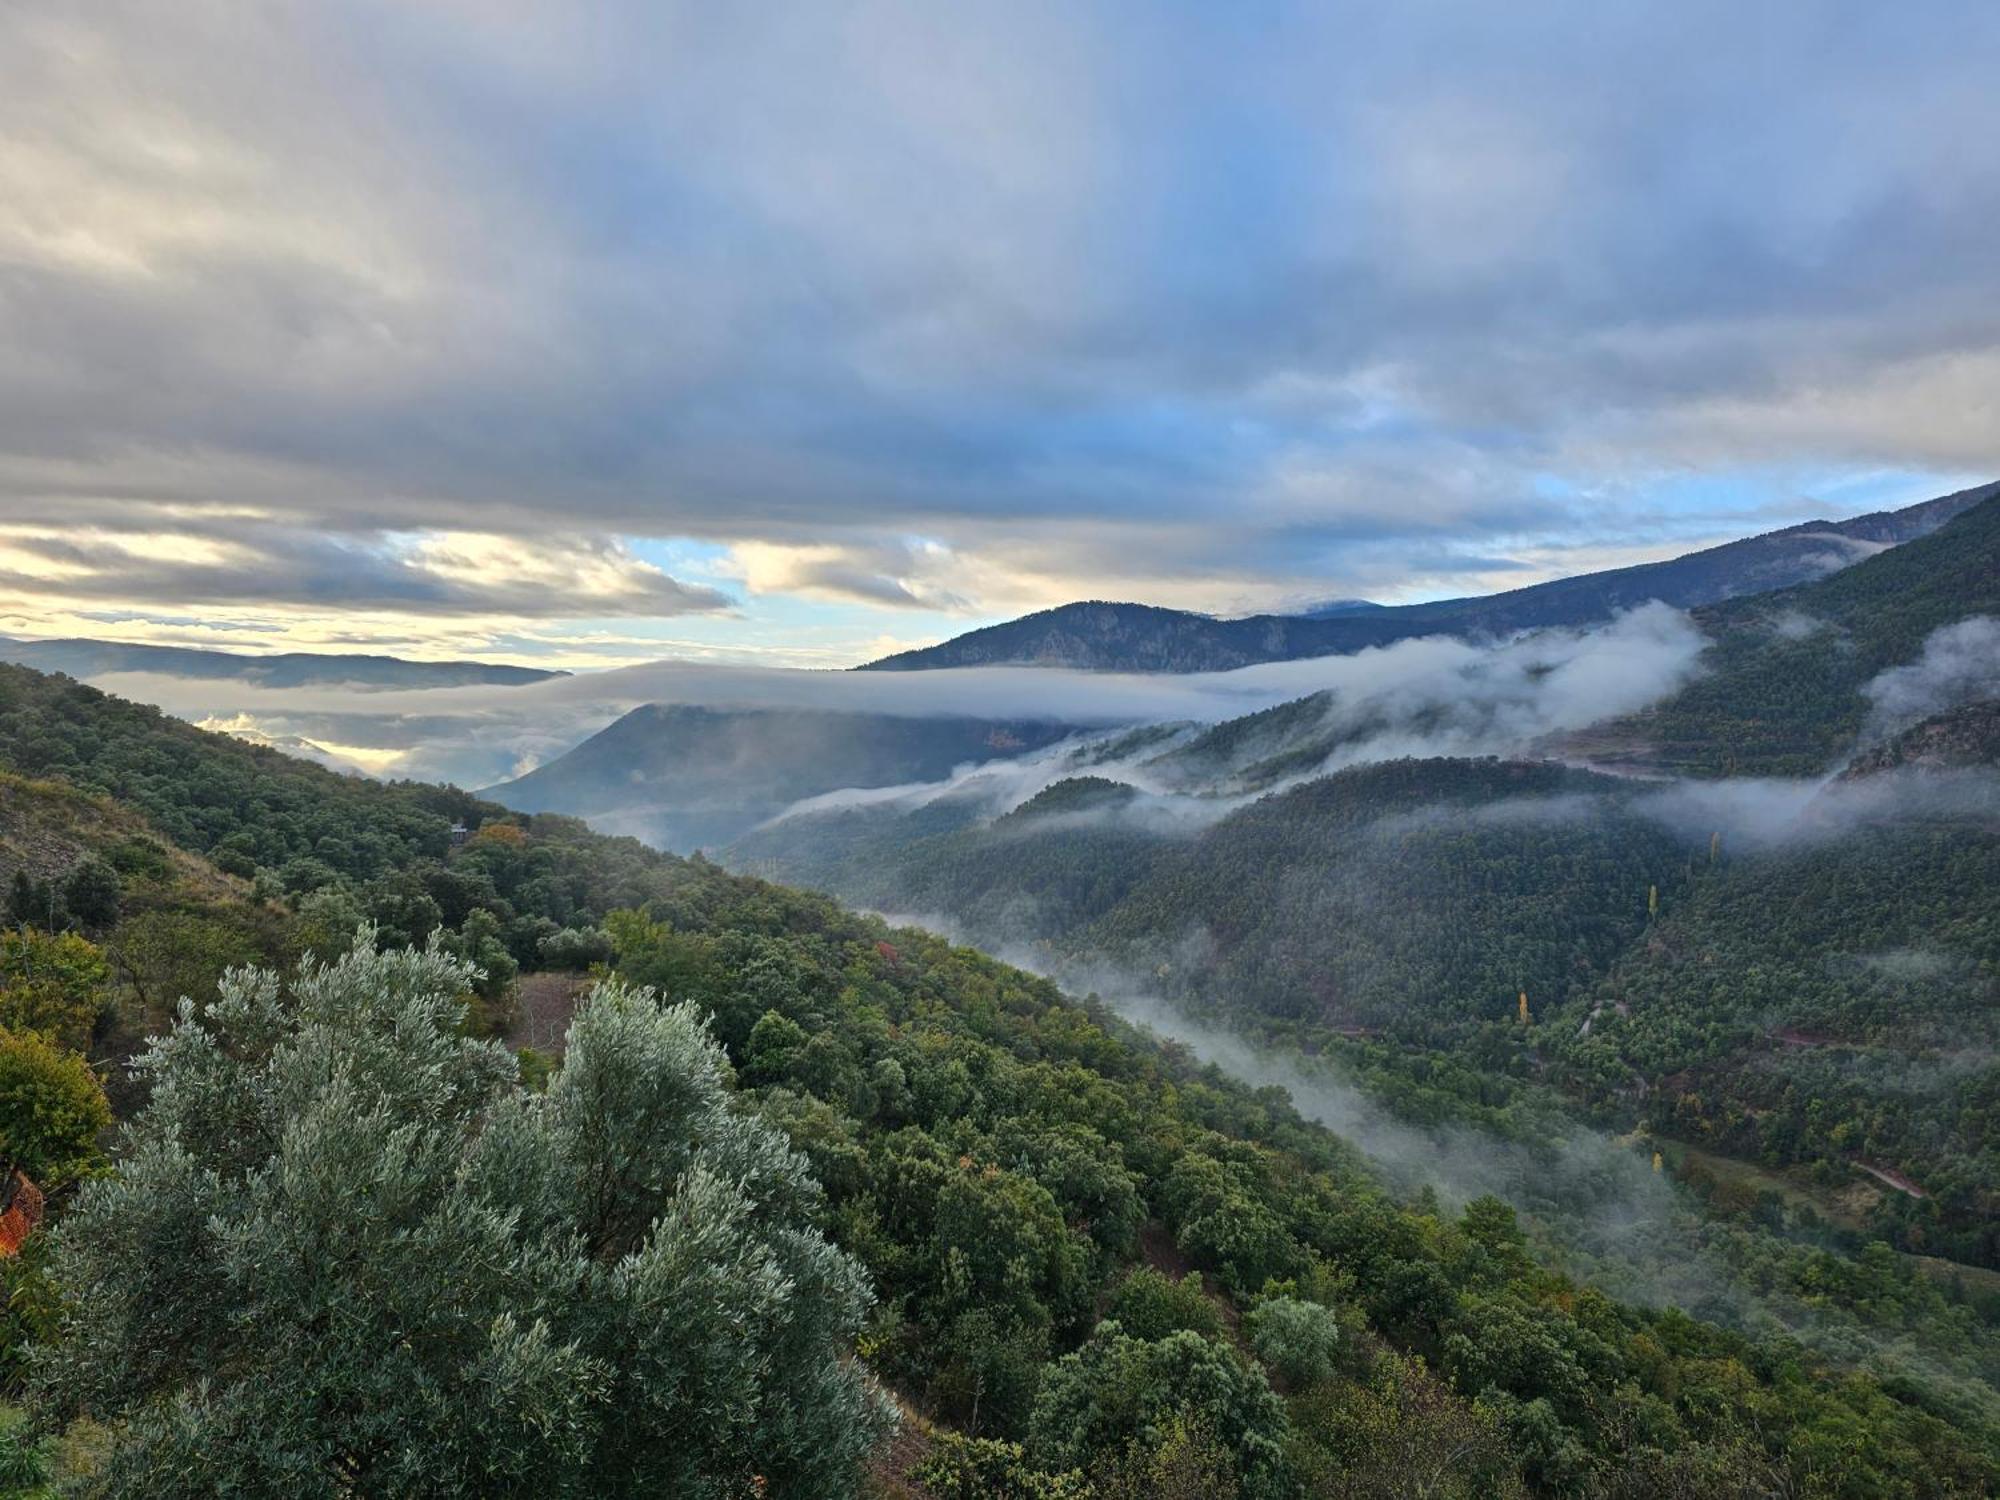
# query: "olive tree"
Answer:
x=347 y=1254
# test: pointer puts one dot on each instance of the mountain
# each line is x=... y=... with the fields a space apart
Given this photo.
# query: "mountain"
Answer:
x=1961 y=737
x=1823 y=997
x=686 y=777
x=85 y=659
x=1335 y=607
x=1783 y=688
x=1101 y=636
x=1673 y=947
x=1793 y=973
x=1417 y=896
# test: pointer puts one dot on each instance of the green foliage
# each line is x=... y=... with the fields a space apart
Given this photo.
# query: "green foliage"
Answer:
x=481 y=944
x=1777 y=700
x=1297 y=1341
x=1149 y=1305
x=1419 y=897
x=996 y=1156
x=327 y=921
x=30 y=1310
x=1823 y=1007
x=169 y=952
x=52 y=1111
x=1184 y=1460
x=963 y=1468
x=51 y=984
x=960 y=1181
x=348 y=1253
x=1402 y=1432
x=92 y=893
x=27 y=1461
x=1117 y=1392
x=575 y=948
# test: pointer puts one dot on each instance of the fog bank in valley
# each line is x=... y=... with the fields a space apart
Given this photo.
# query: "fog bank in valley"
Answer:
x=1451 y=695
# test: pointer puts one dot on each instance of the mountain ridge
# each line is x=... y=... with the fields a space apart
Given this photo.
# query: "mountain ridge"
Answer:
x=685 y=775
x=1107 y=635
x=83 y=657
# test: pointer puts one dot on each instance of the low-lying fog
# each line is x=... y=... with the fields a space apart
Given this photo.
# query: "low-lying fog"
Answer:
x=1436 y=691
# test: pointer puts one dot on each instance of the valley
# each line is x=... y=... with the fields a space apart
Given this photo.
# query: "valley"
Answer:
x=999 y=751
x=1372 y=1005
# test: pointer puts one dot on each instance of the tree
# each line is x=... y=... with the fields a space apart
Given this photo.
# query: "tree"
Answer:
x=164 y=955
x=35 y=903
x=1297 y=1340
x=52 y=984
x=1401 y=1435
x=1150 y=1305
x=1116 y=1391
x=328 y=919
x=478 y=941
x=775 y=1044
x=348 y=1254
x=575 y=948
x=52 y=1111
x=92 y=894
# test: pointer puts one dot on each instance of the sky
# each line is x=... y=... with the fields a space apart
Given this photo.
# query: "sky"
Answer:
x=792 y=334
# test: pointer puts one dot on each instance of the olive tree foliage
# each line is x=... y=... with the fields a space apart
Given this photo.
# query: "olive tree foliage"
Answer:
x=347 y=1254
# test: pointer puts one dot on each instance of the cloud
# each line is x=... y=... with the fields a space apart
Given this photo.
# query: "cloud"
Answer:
x=1090 y=301
x=1960 y=663
x=1427 y=696
x=442 y=573
x=903 y=575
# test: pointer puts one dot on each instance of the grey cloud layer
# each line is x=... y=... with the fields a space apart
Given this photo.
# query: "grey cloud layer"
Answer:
x=1200 y=298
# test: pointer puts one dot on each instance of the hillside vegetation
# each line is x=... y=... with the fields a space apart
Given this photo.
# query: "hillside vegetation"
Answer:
x=1098 y=1267
x=1781 y=693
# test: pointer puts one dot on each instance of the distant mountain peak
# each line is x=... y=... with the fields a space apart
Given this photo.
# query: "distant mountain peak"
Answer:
x=1334 y=608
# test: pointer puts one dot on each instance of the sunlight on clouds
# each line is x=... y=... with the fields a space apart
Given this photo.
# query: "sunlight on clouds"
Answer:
x=56 y=553
x=898 y=573
x=583 y=575
x=369 y=759
x=26 y=562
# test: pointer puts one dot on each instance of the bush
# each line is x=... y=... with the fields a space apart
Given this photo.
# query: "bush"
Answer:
x=52 y=1110
x=92 y=894
x=1117 y=1391
x=1149 y=1305
x=576 y=948
x=1298 y=1341
x=52 y=984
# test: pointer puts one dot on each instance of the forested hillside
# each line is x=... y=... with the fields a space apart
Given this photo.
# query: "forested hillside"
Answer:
x=1782 y=693
x=686 y=777
x=1097 y=1267
x=1832 y=1003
